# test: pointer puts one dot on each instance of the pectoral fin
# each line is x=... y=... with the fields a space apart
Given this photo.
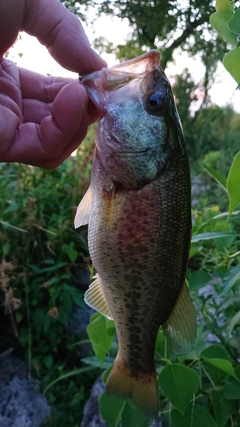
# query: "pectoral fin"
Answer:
x=180 y=328
x=95 y=298
x=83 y=210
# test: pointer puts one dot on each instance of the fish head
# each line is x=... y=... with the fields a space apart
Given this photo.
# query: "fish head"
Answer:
x=135 y=135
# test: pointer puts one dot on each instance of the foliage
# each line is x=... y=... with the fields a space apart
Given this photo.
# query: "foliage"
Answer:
x=226 y=21
x=41 y=259
x=207 y=128
x=203 y=386
x=166 y=25
x=79 y=8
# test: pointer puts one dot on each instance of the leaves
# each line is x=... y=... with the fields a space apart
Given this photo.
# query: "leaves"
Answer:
x=224 y=365
x=226 y=22
x=233 y=180
x=231 y=391
x=198 y=280
x=221 y=179
x=231 y=62
x=178 y=383
x=111 y=408
x=212 y=235
x=194 y=416
x=222 y=408
x=230 y=279
x=134 y=417
x=101 y=332
x=219 y=20
x=234 y=22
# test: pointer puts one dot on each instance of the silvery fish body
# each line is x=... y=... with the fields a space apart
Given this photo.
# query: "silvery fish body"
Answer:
x=139 y=213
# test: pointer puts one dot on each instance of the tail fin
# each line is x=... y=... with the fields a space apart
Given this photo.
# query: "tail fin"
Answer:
x=140 y=388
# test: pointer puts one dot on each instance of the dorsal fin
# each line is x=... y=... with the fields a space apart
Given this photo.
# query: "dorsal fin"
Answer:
x=95 y=298
x=83 y=210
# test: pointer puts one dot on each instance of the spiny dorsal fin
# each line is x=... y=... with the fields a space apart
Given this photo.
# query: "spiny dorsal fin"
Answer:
x=180 y=328
x=95 y=298
x=83 y=210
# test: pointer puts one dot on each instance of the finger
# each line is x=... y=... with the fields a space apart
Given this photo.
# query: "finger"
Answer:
x=34 y=110
x=69 y=115
x=62 y=33
x=39 y=87
x=49 y=143
x=11 y=15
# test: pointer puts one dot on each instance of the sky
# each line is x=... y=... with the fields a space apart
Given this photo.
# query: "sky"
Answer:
x=29 y=53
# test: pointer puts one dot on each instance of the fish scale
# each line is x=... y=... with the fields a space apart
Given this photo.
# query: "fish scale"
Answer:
x=139 y=212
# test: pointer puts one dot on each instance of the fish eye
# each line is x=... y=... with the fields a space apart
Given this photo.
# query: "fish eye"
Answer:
x=155 y=102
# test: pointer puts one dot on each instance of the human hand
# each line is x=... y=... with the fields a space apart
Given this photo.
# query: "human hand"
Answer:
x=43 y=119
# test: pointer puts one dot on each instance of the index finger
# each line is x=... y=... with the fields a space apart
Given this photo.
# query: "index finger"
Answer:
x=62 y=33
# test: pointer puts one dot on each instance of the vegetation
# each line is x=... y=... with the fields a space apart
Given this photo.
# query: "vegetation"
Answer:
x=41 y=258
x=41 y=254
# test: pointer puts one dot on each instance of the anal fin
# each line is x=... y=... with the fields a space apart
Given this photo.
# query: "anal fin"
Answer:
x=180 y=328
x=95 y=298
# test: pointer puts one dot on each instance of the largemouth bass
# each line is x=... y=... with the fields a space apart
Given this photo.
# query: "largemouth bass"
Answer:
x=139 y=214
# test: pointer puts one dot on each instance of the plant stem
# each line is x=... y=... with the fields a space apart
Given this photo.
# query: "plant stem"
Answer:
x=29 y=328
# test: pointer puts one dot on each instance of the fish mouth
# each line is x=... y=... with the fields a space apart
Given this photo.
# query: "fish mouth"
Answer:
x=131 y=153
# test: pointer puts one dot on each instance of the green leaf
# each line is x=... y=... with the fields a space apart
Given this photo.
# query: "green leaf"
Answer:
x=224 y=6
x=213 y=235
x=68 y=375
x=48 y=360
x=94 y=361
x=101 y=333
x=222 y=408
x=233 y=180
x=221 y=179
x=111 y=408
x=234 y=23
x=234 y=321
x=47 y=320
x=134 y=417
x=72 y=253
x=215 y=351
x=224 y=365
x=76 y=295
x=231 y=391
x=194 y=416
x=19 y=317
x=219 y=21
x=198 y=279
x=232 y=276
x=231 y=62
x=178 y=383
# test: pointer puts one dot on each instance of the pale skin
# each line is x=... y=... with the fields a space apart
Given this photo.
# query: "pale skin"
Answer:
x=43 y=119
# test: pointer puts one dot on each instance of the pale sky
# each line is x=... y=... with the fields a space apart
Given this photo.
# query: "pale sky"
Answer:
x=36 y=58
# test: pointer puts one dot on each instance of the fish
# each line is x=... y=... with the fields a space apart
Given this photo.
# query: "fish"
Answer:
x=138 y=210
